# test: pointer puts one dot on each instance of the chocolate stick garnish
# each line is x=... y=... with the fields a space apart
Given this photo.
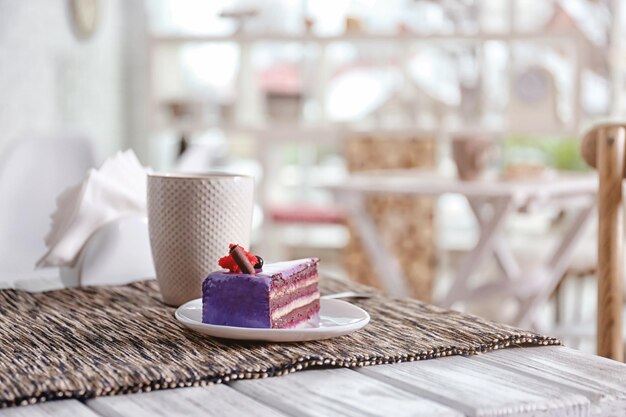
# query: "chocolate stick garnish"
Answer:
x=242 y=260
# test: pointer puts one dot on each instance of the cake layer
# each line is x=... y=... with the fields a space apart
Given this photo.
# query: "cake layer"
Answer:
x=287 y=289
x=298 y=316
x=296 y=292
x=295 y=297
x=295 y=304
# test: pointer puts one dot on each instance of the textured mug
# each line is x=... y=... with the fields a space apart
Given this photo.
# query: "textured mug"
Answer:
x=192 y=219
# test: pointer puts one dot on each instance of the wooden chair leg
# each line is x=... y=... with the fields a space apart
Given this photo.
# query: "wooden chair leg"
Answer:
x=610 y=164
x=558 y=305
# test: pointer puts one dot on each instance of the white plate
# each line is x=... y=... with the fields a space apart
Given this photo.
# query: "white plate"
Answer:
x=337 y=318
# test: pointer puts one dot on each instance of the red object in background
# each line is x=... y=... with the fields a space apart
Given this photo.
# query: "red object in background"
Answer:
x=306 y=214
x=283 y=79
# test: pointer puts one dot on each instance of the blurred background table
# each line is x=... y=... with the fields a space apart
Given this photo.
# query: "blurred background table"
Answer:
x=491 y=202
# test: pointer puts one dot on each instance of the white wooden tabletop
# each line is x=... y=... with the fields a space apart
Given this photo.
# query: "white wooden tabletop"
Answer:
x=534 y=381
x=541 y=381
x=417 y=182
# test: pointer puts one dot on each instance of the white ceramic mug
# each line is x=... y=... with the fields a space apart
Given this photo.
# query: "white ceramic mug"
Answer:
x=192 y=219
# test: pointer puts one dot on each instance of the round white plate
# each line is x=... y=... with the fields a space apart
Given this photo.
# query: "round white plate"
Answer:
x=337 y=318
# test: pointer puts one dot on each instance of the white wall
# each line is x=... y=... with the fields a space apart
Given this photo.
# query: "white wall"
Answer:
x=50 y=81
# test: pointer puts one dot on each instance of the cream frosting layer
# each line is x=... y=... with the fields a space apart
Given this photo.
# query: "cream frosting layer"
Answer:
x=295 y=304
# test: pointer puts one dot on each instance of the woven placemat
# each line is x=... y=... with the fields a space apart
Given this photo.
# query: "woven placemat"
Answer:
x=89 y=342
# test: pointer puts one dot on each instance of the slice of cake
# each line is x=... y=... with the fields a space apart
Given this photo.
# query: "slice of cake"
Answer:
x=279 y=295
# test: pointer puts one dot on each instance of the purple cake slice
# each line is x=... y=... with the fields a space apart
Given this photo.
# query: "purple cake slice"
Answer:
x=281 y=295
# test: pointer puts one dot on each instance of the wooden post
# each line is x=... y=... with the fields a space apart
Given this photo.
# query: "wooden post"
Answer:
x=610 y=142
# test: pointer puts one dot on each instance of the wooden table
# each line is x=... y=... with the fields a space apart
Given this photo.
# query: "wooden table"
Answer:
x=543 y=381
x=491 y=203
x=537 y=381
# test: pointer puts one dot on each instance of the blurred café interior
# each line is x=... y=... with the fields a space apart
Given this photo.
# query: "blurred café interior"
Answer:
x=430 y=148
